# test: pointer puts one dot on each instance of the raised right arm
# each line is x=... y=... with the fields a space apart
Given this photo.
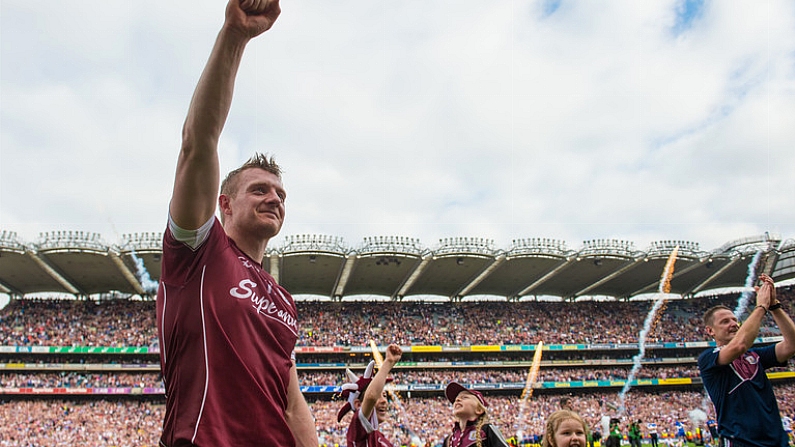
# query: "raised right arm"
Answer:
x=196 y=183
x=749 y=330
x=376 y=387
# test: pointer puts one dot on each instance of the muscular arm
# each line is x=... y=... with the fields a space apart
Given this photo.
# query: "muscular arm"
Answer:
x=298 y=416
x=197 y=178
x=196 y=182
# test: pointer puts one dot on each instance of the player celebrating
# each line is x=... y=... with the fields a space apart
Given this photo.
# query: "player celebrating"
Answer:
x=227 y=330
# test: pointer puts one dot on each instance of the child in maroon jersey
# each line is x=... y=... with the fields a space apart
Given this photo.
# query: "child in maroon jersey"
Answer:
x=472 y=427
x=372 y=408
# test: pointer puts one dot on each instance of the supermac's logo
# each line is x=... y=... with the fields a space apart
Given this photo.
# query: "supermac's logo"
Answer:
x=264 y=304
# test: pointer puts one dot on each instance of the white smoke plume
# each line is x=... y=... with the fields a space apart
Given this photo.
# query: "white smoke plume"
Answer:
x=149 y=285
x=745 y=297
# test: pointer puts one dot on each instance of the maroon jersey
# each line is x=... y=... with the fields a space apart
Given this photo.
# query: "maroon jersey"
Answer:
x=364 y=433
x=489 y=435
x=227 y=332
x=466 y=437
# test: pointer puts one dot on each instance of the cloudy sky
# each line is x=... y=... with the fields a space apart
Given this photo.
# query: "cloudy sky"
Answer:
x=575 y=120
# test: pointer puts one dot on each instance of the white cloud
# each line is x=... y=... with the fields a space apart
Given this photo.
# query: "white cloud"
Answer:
x=423 y=119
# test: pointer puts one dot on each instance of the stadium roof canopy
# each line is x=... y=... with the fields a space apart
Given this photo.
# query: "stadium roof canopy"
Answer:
x=83 y=264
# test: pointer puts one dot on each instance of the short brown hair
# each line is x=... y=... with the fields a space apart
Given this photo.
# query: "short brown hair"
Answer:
x=711 y=313
x=261 y=161
x=553 y=422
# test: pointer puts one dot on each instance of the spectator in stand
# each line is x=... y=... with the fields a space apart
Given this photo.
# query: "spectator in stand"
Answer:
x=566 y=404
x=121 y=323
x=51 y=322
x=79 y=380
x=96 y=423
x=34 y=322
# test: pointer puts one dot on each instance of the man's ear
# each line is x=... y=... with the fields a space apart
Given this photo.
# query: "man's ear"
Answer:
x=223 y=204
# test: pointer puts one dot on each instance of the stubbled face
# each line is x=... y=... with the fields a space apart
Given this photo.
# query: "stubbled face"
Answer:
x=467 y=406
x=724 y=326
x=257 y=207
x=570 y=433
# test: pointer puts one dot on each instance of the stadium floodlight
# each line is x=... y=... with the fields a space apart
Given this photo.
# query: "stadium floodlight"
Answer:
x=464 y=245
x=391 y=244
x=538 y=246
x=314 y=243
x=10 y=242
x=142 y=242
x=608 y=248
x=664 y=248
x=66 y=240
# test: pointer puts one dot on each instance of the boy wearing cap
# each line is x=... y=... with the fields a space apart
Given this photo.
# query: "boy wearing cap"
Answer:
x=472 y=425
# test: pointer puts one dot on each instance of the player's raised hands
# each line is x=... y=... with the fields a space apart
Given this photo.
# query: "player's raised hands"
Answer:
x=768 y=280
x=765 y=294
x=252 y=17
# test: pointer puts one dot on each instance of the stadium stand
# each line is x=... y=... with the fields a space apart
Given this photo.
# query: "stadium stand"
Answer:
x=81 y=372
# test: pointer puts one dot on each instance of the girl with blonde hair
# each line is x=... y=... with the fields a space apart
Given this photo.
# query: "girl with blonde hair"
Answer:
x=472 y=424
x=565 y=428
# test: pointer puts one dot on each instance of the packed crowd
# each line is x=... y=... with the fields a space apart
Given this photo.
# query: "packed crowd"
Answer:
x=418 y=419
x=422 y=420
x=80 y=380
x=75 y=379
x=91 y=424
x=513 y=375
x=486 y=323
x=119 y=323
x=44 y=322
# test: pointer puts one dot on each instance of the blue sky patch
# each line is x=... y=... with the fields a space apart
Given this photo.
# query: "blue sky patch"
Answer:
x=687 y=11
x=548 y=7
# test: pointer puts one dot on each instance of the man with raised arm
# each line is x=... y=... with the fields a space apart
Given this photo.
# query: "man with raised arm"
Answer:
x=734 y=372
x=227 y=330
